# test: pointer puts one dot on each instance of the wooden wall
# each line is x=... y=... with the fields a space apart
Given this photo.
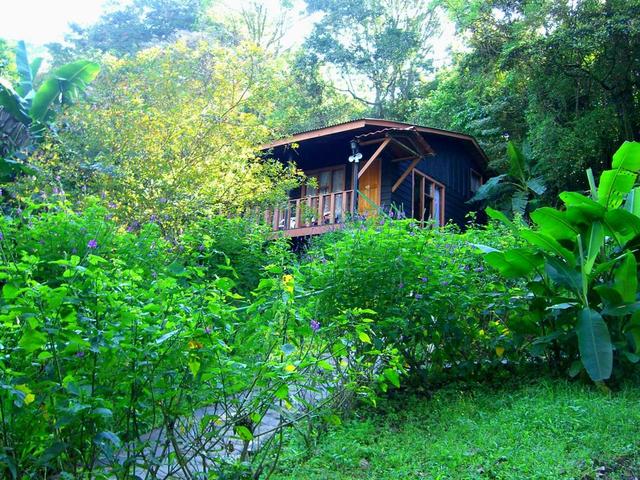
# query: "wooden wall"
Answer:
x=451 y=166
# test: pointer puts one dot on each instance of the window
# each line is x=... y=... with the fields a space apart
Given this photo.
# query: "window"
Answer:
x=428 y=199
x=329 y=180
x=476 y=181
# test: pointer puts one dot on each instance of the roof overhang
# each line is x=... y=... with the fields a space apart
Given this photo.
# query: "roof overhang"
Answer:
x=373 y=122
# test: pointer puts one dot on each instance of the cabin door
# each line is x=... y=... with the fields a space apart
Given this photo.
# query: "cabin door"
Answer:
x=369 y=185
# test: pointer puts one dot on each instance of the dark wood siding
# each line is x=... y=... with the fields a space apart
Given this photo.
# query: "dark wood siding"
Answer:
x=451 y=166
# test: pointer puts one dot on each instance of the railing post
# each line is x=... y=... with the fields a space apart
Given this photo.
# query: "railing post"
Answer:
x=298 y=222
x=320 y=209
x=332 y=209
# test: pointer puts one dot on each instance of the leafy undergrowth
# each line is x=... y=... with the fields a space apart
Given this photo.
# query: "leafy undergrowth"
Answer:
x=550 y=429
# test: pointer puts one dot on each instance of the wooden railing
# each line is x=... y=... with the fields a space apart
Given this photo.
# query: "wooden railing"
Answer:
x=315 y=210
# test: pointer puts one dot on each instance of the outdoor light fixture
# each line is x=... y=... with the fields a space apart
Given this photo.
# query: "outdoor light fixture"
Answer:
x=355 y=154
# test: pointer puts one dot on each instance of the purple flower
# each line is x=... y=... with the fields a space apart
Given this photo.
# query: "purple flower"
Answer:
x=418 y=296
x=112 y=205
x=74 y=251
x=201 y=248
x=154 y=274
x=479 y=269
x=401 y=285
x=80 y=354
x=424 y=279
x=1 y=236
x=315 y=325
x=381 y=221
x=207 y=330
x=391 y=213
x=445 y=283
x=93 y=243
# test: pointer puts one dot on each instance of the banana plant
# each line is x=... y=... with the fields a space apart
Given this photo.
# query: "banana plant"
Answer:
x=581 y=264
x=517 y=190
x=26 y=110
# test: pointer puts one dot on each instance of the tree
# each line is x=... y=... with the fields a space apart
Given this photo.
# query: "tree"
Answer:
x=27 y=110
x=517 y=191
x=378 y=49
x=131 y=27
x=562 y=76
x=173 y=133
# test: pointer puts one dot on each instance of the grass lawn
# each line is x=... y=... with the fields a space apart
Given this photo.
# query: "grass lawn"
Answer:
x=548 y=430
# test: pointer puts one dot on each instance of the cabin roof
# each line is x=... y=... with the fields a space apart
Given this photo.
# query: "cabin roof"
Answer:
x=363 y=126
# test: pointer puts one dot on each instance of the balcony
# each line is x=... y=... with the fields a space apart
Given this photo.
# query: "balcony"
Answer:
x=311 y=215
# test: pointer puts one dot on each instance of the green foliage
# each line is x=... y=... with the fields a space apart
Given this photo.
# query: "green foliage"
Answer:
x=108 y=336
x=435 y=301
x=379 y=49
x=559 y=75
x=548 y=429
x=192 y=114
x=582 y=272
x=515 y=191
x=26 y=111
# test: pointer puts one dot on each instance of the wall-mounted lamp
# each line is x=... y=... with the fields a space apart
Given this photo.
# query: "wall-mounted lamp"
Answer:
x=355 y=154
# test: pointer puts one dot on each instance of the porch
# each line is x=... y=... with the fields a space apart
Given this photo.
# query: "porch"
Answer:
x=311 y=214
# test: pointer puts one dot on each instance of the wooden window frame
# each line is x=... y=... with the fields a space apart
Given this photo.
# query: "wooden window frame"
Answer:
x=473 y=172
x=326 y=169
x=425 y=178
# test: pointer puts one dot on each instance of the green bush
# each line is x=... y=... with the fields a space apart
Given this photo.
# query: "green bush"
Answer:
x=107 y=335
x=582 y=272
x=434 y=300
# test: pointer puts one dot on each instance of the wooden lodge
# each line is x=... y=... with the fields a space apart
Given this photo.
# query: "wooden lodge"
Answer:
x=366 y=165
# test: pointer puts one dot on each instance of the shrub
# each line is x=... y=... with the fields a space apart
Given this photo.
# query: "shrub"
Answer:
x=582 y=272
x=118 y=355
x=434 y=300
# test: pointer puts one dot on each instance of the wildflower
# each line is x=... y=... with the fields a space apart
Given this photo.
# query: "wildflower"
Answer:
x=381 y=221
x=112 y=205
x=445 y=283
x=424 y=279
x=1 y=236
x=391 y=213
x=201 y=248
x=479 y=269
x=315 y=325
x=153 y=218
x=80 y=354
x=207 y=330
x=93 y=243
x=418 y=296
x=401 y=285
x=194 y=345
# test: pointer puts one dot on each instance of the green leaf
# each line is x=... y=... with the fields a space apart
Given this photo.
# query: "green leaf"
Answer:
x=32 y=340
x=514 y=263
x=501 y=217
x=563 y=275
x=632 y=205
x=24 y=70
x=244 y=433
x=626 y=278
x=194 y=366
x=614 y=185
x=581 y=209
x=65 y=82
x=548 y=244
x=10 y=291
x=594 y=343
x=489 y=189
x=13 y=103
x=594 y=245
x=364 y=337
x=391 y=375
x=537 y=185
x=627 y=157
x=517 y=163
x=519 y=202
x=554 y=223
x=282 y=392
x=621 y=225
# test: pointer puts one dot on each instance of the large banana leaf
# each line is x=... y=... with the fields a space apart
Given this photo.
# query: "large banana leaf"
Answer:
x=12 y=103
x=594 y=343
x=68 y=81
x=25 y=88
